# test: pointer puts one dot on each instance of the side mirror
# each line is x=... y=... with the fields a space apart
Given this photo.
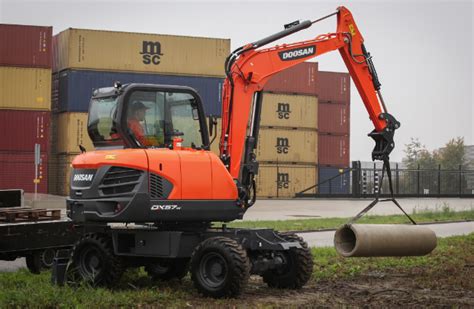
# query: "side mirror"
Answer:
x=212 y=123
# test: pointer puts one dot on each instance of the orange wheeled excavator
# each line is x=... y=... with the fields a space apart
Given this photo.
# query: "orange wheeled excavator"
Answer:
x=153 y=172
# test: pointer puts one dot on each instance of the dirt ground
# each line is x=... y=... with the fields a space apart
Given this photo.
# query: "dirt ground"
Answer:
x=417 y=287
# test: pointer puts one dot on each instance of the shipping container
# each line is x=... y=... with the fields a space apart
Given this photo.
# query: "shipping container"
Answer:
x=334 y=180
x=333 y=87
x=284 y=181
x=287 y=110
x=17 y=171
x=334 y=118
x=25 y=46
x=70 y=131
x=25 y=88
x=21 y=130
x=73 y=88
x=283 y=145
x=300 y=79
x=60 y=173
x=140 y=52
x=333 y=150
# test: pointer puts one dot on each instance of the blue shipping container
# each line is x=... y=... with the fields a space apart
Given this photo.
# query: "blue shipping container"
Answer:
x=73 y=89
x=339 y=184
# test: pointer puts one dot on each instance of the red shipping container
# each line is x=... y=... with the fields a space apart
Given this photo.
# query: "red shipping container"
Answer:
x=333 y=87
x=333 y=150
x=17 y=171
x=300 y=79
x=334 y=118
x=21 y=130
x=25 y=46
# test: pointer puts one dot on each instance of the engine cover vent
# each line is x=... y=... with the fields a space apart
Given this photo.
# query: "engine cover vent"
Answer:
x=156 y=187
x=120 y=180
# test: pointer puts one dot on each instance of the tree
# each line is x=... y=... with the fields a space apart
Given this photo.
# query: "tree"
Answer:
x=453 y=155
x=418 y=155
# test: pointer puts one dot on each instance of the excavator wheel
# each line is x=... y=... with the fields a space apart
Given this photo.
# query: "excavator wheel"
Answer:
x=220 y=267
x=297 y=269
x=94 y=261
x=167 y=269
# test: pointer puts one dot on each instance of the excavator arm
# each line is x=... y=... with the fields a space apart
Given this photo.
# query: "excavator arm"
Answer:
x=249 y=67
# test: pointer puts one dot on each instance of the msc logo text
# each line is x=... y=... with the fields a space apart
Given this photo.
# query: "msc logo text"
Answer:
x=282 y=145
x=151 y=52
x=283 y=111
x=283 y=180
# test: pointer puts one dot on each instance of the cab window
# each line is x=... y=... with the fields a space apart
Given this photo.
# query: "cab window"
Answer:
x=101 y=125
x=154 y=118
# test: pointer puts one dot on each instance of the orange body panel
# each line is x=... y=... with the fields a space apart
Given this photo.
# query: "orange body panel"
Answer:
x=195 y=174
x=167 y=164
x=223 y=186
x=133 y=158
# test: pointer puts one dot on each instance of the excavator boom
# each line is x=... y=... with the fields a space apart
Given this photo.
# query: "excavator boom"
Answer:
x=250 y=66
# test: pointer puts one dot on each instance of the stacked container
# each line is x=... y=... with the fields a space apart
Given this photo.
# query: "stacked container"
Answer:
x=88 y=59
x=288 y=139
x=334 y=130
x=327 y=144
x=25 y=104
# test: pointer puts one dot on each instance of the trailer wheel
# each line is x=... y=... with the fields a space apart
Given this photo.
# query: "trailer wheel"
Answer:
x=33 y=262
x=47 y=258
x=167 y=269
x=297 y=269
x=94 y=261
x=220 y=267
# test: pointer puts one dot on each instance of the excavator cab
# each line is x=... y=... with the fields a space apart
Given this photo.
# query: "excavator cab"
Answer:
x=151 y=161
x=147 y=116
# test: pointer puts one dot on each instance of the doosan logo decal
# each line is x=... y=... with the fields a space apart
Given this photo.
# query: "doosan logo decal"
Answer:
x=83 y=177
x=297 y=53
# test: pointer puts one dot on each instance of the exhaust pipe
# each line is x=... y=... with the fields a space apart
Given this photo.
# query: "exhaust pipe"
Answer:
x=365 y=240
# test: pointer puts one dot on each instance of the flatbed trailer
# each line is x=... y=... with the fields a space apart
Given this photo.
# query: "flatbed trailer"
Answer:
x=37 y=240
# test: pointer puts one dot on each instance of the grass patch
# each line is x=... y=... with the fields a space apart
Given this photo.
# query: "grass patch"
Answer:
x=450 y=262
x=420 y=216
x=446 y=265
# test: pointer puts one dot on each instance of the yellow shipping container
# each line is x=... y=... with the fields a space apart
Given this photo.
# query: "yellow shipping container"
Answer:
x=287 y=110
x=70 y=131
x=59 y=173
x=25 y=88
x=284 y=181
x=140 y=52
x=286 y=145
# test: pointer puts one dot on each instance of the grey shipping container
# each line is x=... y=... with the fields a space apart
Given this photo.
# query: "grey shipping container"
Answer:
x=72 y=89
x=339 y=180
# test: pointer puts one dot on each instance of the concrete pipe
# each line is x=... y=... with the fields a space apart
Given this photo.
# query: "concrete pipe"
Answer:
x=358 y=240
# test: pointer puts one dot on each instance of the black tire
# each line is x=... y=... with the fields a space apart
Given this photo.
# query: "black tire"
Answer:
x=168 y=269
x=33 y=262
x=220 y=267
x=298 y=269
x=93 y=261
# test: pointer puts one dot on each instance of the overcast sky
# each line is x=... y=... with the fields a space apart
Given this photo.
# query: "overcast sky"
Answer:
x=423 y=50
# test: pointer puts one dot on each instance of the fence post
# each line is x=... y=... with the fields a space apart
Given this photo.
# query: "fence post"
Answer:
x=397 y=183
x=356 y=179
x=439 y=179
x=418 y=181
